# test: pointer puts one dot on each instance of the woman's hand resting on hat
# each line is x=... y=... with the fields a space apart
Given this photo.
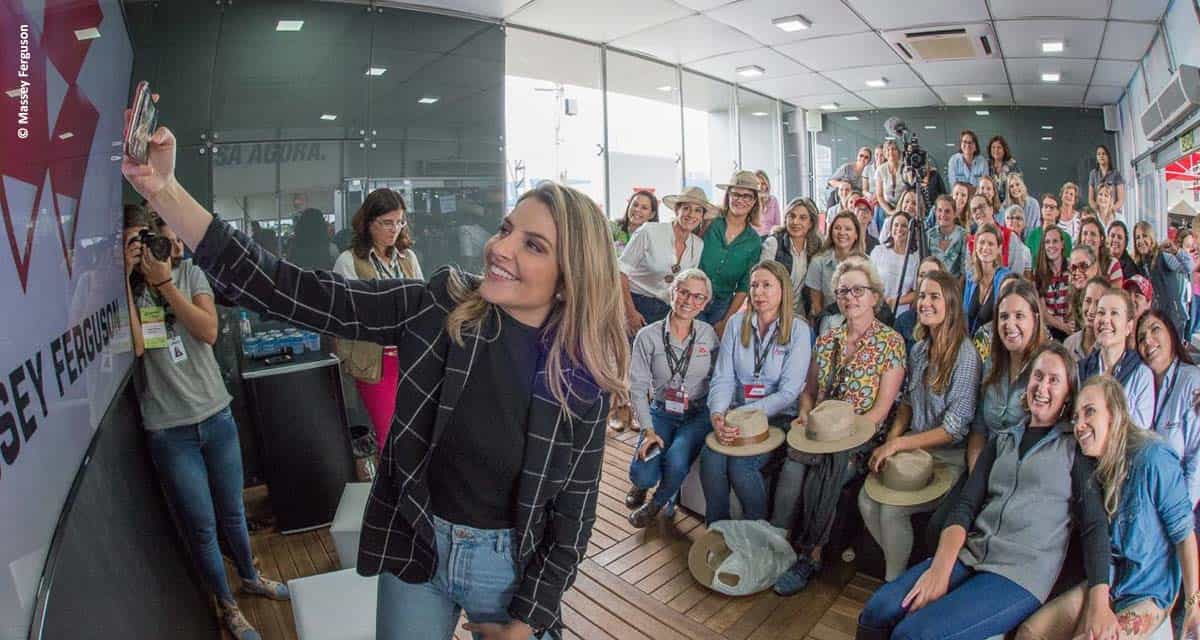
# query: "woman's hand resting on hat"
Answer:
x=881 y=454
x=725 y=433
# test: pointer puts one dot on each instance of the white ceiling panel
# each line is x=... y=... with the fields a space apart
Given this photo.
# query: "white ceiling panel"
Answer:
x=489 y=8
x=1009 y=9
x=844 y=101
x=992 y=94
x=598 y=21
x=754 y=17
x=1029 y=71
x=689 y=39
x=703 y=5
x=961 y=71
x=804 y=84
x=775 y=65
x=1098 y=95
x=891 y=14
x=1127 y=40
x=1023 y=38
x=896 y=98
x=841 y=52
x=1049 y=95
x=899 y=76
x=1151 y=10
x=1114 y=73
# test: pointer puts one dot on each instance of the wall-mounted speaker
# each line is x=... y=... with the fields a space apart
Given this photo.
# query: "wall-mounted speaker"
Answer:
x=813 y=121
x=1112 y=118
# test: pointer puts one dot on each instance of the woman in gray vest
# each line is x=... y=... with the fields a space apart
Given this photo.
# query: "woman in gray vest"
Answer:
x=794 y=244
x=380 y=250
x=1006 y=540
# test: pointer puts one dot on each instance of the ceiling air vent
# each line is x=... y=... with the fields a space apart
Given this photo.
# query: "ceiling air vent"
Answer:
x=935 y=44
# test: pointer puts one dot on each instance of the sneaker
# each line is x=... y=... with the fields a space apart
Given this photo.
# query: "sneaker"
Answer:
x=644 y=515
x=796 y=578
x=635 y=498
x=236 y=623
x=267 y=588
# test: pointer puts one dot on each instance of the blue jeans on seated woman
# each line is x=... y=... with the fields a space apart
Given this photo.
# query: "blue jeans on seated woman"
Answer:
x=978 y=605
x=683 y=437
x=200 y=465
x=719 y=473
x=476 y=573
x=652 y=309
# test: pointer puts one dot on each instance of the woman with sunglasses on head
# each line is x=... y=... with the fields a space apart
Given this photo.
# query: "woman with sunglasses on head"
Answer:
x=934 y=415
x=1091 y=234
x=1153 y=544
x=671 y=363
x=968 y=165
x=794 y=246
x=1105 y=174
x=641 y=208
x=381 y=249
x=1052 y=277
x=984 y=277
x=1001 y=165
x=1168 y=270
x=845 y=240
x=523 y=360
x=850 y=172
x=1176 y=384
x=658 y=251
x=1113 y=323
x=731 y=248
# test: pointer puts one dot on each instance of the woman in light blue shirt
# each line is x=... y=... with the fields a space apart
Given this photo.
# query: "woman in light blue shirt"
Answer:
x=1176 y=383
x=968 y=165
x=762 y=364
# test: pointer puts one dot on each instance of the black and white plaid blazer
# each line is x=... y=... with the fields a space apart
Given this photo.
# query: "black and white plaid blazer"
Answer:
x=558 y=485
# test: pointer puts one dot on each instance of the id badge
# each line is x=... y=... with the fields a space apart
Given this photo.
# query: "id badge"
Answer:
x=754 y=391
x=675 y=400
x=154 y=327
x=177 y=350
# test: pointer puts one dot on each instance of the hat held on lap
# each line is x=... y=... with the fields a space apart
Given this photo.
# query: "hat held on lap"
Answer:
x=755 y=435
x=909 y=478
x=832 y=426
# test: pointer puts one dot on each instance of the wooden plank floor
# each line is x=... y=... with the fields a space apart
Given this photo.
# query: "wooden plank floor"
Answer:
x=633 y=585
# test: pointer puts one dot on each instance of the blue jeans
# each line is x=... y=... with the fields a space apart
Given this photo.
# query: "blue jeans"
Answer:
x=201 y=467
x=978 y=605
x=719 y=472
x=716 y=310
x=652 y=309
x=475 y=572
x=683 y=437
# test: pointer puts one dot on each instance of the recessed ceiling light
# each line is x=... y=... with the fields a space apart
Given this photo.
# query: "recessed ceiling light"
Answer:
x=792 y=23
x=1043 y=158
x=329 y=116
x=665 y=88
x=852 y=118
x=289 y=25
x=829 y=107
x=880 y=82
x=982 y=112
x=428 y=100
x=376 y=71
x=974 y=97
x=950 y=144
x=930 y=127
x=1047 y=138
x=1051 y=76
x=91 y=33
x=1042 y=168
x=760 y=114
x=1047 y=127
x=750 y=71
x=66 y=135
x=1052 y=46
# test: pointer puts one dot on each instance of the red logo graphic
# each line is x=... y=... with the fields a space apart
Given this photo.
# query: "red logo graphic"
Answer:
x=48 y=122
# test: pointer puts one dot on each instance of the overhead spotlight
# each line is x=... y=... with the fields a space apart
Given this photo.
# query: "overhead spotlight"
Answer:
x=1051 y=76
x=792 y=23
x=974 y=97
x=877 y=83
x=428 y=100
x=1052 y=46
x=330 y=117
x=760 y=114
x=376 y=71
x=1047 y=138
x=852 y=118
x=750 y=71
x=1047 y=127
x=289 y=25
x=830 y=106
x=982 y=112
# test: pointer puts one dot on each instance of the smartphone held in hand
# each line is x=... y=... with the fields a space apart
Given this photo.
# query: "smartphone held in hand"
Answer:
x=143 y=120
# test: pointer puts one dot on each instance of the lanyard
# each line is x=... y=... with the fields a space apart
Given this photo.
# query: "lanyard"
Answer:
x=389 y=271
x=678 y=365
x=760 y=353
x=1166 y=397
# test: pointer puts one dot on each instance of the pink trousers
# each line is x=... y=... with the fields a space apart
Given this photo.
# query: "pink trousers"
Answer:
x=379 y=398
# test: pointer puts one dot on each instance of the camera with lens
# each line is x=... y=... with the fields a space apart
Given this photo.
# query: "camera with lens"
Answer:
x=160 y=247
x=915 y=157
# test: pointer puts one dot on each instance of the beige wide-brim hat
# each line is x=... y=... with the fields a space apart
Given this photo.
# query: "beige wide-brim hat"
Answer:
x=755 y=435
x=832 y=426
x=693 y=195
x=705 y=557
x=910 y=478
x=742 y=180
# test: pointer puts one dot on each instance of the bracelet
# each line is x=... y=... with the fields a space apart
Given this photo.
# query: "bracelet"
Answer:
x=1190 y=603
x=161 y=283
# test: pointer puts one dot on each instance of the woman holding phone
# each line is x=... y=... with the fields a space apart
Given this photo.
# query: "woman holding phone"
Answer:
x=522 y=361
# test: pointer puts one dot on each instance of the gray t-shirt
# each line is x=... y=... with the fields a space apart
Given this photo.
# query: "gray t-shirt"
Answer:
x=173 y=394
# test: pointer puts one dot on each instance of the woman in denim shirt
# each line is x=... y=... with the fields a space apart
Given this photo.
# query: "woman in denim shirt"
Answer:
x=968 y=165
x=946 y=240
x=762 y=363
x=1176 y=384
x=934 y=415
x=1151 y=526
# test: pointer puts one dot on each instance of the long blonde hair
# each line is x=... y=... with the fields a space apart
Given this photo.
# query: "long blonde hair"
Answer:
x=1124 y=441
x=587 y=324
x=786 y=303
x=946 y=338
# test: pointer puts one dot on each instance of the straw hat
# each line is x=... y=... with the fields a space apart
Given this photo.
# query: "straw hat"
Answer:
x=755 y=436
x=705 y=557
x=692 y=195
x=742 y=180
x=832 y=426
x=909 y=478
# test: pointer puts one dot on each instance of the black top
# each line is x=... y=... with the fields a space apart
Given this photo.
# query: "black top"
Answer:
x=476 y=464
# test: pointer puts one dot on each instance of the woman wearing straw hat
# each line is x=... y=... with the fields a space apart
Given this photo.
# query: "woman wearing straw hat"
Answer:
x=668 y=384
x=934 y=416
x=762 y=366
x=657 y=252
x=731 y=248
x=1153 y=542
x=794 y=245
x=859 y=367
x=1028 y=489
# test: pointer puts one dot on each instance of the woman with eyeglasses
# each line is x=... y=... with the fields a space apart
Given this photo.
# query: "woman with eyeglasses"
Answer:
x=1020 y=260
x=984 y=277
x=1113 y=323
x=1105 y=174
x=380 y=249
x=1091 y=234
x=1176 y=385
x=731 y=248
x=1168 y=270
x=946 y=240
x=897 y=265
x=845 y=239
x=968 y=165
x=641 y=208
x=658 y=251
x=671 y=362
x=1018 y=194
x=1001 y=165
x=794 y=246
x=1049 y=212
x=1068 y=217
x=1053 y=279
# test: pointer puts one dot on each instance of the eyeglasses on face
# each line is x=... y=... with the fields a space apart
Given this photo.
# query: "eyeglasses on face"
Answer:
x=686 y=296
x=742 y=195
x=1080 y=266
x=391 y=225
x=857 y=291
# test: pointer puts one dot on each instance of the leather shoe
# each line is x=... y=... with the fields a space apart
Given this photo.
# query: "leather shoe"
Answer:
x=644 y=515
x=635 y=498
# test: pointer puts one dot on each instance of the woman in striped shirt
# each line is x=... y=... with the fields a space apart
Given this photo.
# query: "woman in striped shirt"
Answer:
x=1053 y=282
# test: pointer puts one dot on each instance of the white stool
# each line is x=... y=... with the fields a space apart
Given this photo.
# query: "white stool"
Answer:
x=339 y=605
x=691 y=495
x=347 y=522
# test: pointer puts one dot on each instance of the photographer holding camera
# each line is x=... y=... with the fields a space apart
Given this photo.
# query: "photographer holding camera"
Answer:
x=193 y=438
